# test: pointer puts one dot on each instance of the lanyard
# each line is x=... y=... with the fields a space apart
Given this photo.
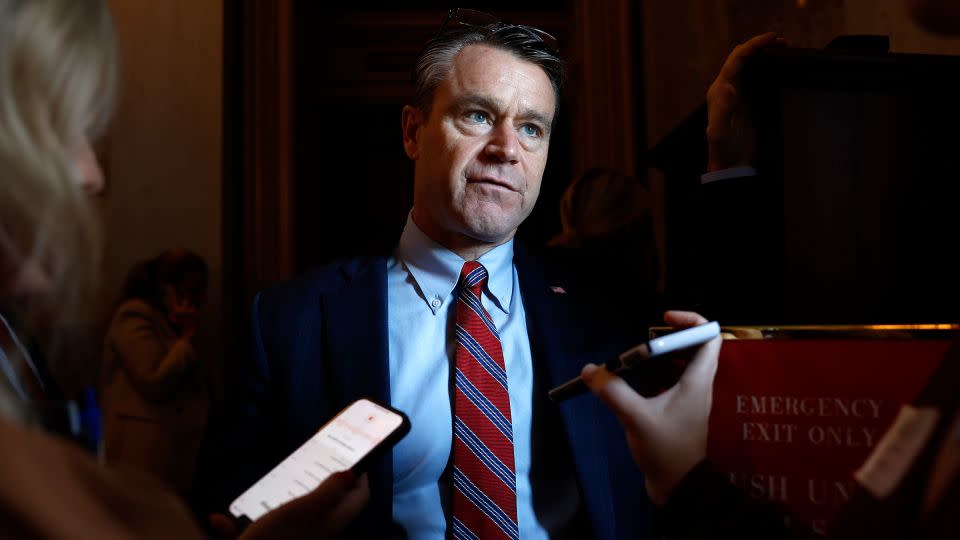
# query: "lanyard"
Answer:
x=77 y=421
x=28 y=390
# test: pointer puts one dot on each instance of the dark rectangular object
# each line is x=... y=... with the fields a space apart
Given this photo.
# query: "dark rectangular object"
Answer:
x=851 y=218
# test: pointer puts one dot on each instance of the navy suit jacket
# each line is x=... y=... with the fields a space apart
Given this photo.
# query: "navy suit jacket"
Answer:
x=321 y=343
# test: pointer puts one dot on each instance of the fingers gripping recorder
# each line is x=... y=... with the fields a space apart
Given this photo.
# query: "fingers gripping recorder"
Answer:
x=690 y=337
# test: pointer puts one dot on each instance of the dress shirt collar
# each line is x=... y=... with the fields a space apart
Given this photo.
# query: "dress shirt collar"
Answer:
x=436 y=269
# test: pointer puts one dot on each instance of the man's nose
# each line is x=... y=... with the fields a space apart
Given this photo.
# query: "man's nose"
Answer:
x=504 y=144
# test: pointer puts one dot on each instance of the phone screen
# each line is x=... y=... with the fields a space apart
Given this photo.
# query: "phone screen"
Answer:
x=338 y=446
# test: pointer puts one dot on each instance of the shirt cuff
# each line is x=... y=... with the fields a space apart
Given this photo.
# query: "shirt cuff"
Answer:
x=726 y=174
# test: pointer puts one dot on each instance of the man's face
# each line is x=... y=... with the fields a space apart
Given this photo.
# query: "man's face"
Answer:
x=480 y=156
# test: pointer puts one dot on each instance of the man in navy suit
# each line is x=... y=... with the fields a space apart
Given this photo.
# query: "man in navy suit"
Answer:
x=486 y=96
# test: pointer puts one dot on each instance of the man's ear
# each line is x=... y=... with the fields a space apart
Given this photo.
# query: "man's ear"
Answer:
x=412 y=121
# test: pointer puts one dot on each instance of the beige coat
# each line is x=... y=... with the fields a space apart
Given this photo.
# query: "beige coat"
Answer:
x=153 y=395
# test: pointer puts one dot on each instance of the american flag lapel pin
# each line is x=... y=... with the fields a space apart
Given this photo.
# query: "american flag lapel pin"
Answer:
x=557 y=290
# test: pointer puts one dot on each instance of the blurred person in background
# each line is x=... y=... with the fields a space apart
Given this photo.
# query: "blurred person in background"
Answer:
x=607 y=240
x=154 y=388
x=58 y=66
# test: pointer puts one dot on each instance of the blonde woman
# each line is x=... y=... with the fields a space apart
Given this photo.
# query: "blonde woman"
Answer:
x=57 y=75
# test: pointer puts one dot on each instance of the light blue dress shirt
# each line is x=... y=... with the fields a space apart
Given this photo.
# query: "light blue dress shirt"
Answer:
x=421 y=278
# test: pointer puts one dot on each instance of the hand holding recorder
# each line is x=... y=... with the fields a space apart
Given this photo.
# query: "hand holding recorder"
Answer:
x=667 y=433
x=643 y=355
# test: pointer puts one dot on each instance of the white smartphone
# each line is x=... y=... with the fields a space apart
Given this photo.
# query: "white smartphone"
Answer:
x=348 y=441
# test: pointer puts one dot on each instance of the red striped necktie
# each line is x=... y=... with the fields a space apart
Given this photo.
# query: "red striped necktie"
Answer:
x=484 y=477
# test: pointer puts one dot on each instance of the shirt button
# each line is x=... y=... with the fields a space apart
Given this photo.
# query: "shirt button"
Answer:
x=436 y=302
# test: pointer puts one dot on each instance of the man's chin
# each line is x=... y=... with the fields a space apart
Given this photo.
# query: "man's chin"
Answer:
x=489 y=233
x=493 y=238
x=489 y=224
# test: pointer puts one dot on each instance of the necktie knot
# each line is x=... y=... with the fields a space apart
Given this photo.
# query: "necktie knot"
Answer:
x=472 y=277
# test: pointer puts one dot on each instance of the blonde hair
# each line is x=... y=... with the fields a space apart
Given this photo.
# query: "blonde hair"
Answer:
x=58 y=70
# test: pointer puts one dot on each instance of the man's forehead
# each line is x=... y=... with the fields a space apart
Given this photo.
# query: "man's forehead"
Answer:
x=502 y=77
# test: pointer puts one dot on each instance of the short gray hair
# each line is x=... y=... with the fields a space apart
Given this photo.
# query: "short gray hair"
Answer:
x=436 y=59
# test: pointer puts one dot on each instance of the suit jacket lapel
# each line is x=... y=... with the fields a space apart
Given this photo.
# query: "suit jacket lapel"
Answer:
x=356 y=360
x=355 y=333
x=558 y=355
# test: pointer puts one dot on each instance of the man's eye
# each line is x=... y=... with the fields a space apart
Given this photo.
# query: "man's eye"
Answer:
x=478 y=117
x=531 y=130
